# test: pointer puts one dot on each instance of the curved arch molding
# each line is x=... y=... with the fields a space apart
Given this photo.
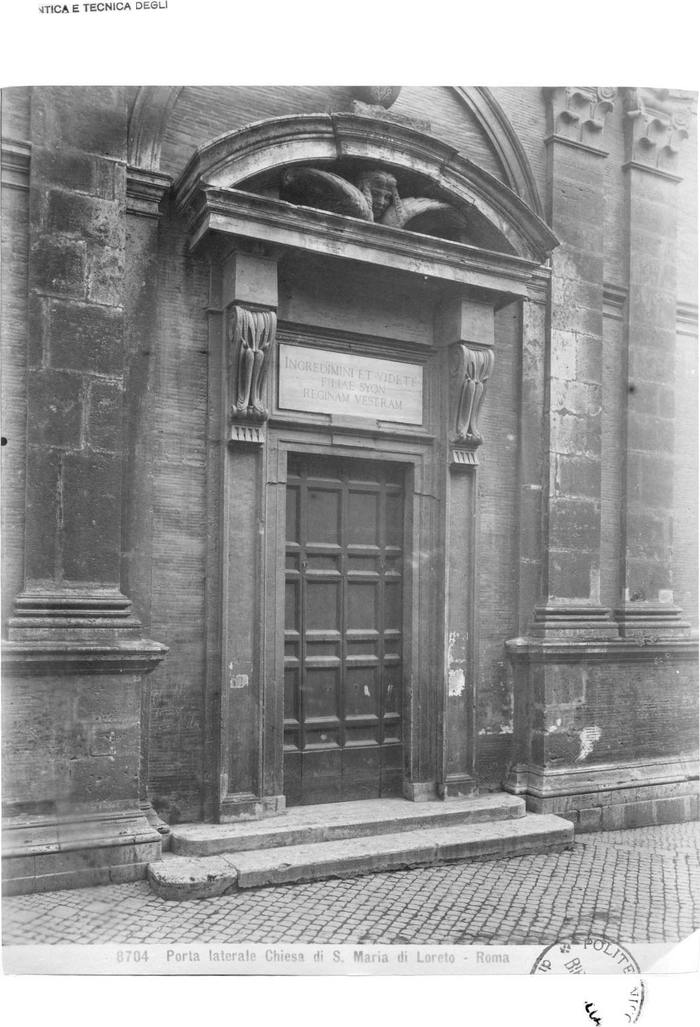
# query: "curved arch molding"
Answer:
x=149 y=118
x=237 y=156
x=155 y=104
x=497 y=127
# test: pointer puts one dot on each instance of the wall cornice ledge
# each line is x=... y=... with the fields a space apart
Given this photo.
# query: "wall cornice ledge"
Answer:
x=574 y=144
x=16 y=157
x=637 y=165
x=145 y=190
x=22 y=658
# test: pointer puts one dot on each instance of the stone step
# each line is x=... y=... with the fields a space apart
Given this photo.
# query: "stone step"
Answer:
x=178 y=877
x=305 y=825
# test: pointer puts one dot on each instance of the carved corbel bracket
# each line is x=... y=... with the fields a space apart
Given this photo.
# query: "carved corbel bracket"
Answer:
x=656 y=124
x=470 y=369
x=578 y=112
x=251 y=335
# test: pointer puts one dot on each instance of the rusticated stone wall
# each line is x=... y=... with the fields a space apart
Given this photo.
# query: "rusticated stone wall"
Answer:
x=76 y=324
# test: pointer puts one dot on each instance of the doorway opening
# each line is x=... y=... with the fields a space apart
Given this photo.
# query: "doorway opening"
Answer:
x=344 y=627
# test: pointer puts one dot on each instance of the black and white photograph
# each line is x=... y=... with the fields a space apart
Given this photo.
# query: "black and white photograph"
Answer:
x=350 y=529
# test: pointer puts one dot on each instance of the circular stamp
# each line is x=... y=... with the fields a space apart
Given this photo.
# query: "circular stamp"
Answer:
x=606 y=1006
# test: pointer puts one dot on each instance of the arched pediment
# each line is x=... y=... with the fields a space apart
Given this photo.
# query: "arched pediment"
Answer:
x=496 y=126
x=254 y=159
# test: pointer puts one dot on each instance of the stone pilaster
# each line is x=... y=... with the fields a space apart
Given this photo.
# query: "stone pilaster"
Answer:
x=76 y=360
x=605 y=726
x=467 y=333
x=76 y=651
x=656 y=124
x=145 y=191
x=245 y=318
x=570 y=603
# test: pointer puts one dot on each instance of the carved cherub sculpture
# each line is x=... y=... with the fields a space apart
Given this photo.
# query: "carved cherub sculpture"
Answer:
x=373 y=197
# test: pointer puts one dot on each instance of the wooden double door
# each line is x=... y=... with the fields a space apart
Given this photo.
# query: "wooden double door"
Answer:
x=344 y=618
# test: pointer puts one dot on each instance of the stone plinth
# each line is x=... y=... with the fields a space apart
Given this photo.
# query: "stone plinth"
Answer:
x=606 y=731
x=72 y=725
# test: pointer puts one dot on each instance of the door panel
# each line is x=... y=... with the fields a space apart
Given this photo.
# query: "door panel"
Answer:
x=343 y=638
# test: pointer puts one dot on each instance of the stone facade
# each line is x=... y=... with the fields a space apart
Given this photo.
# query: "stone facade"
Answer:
x=523 y=263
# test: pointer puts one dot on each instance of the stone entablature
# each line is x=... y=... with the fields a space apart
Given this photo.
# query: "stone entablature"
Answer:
x=274 y=223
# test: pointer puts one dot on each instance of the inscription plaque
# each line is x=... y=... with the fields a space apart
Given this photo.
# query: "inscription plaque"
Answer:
x=351 y=384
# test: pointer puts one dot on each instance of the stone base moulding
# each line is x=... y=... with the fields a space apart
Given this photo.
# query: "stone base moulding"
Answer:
x=612 y=797
x=650 y=620
x=45 y=853
x=246 y=806
x=606 y=731
x=568 y=620
x=72 y=810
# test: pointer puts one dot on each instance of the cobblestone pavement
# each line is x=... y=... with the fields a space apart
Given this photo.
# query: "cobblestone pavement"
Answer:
x=638 y=886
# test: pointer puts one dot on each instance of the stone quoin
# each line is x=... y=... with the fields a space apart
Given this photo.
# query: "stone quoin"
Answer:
x=350 y=470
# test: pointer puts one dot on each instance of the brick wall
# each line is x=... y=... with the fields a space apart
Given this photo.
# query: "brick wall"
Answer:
x=203 y=113
x=179 y=528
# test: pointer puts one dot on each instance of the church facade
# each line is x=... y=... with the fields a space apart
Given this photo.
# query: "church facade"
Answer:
x=351 y=455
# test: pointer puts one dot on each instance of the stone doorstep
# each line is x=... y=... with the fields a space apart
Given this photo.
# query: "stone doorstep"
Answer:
x=181 y=878
x=334 y=821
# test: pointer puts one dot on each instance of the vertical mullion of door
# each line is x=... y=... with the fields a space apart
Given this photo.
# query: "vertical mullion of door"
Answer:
x=344 y=490
x=380 y=603
x=303 y=529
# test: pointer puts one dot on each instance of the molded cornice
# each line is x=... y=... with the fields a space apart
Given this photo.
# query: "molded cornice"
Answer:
x=144 y=191
x=497 y=128
x=230 y=212
x=16 y=156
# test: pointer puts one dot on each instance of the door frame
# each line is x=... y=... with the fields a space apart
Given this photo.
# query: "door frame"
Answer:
x=421 y=637
x=404 y=474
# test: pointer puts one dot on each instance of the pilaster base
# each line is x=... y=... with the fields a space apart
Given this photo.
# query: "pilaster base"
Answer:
x=246 y=806
x=559 y=620
x=420 y=791
x=651 y=621
x=457 y=786
x=74 y=614
x=157 y=824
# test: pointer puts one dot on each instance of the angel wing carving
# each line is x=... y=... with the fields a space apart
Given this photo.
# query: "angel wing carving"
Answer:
x=411 y=207
x=326 y=191
x=374 y=197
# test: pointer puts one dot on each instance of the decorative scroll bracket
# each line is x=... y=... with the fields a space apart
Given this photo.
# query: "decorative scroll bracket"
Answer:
x=470 y=369
x=251 y=335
